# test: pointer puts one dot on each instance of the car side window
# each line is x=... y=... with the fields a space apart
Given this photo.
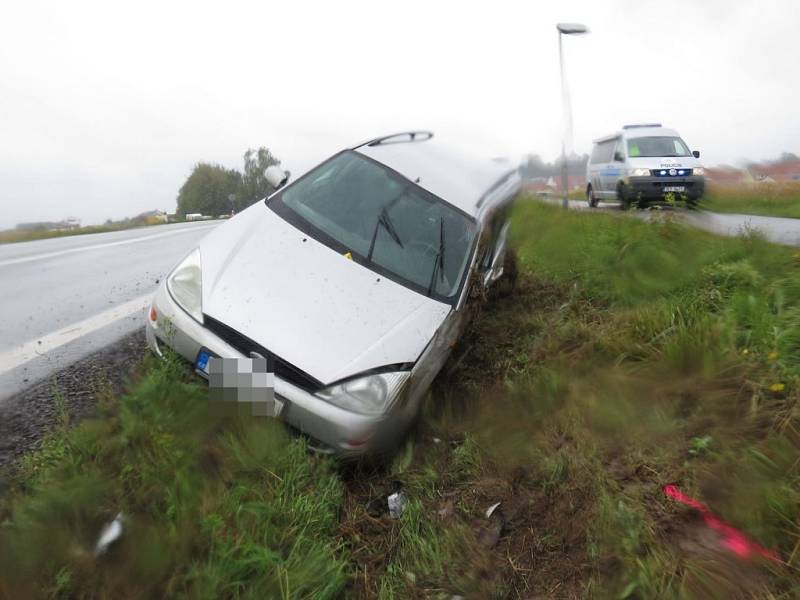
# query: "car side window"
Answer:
x=619 y=147
x=607 y=151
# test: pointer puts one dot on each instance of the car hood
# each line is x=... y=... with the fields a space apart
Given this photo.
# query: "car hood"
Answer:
x=308 y=304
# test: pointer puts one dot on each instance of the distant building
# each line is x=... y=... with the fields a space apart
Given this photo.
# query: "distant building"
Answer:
x=781 y=171
x=152 y=217
x=574 y=182
x=536 y=184
x=725 y=175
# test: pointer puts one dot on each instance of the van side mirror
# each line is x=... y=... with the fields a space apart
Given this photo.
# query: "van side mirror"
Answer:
x=276 y=176
x=696 y=153
x=618 y=157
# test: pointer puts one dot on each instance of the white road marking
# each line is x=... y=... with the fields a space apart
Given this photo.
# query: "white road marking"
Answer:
x=23 y=259
x=11 y=359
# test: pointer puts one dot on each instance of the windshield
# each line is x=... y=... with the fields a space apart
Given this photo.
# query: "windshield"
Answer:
x=384 y=221
x=657 y=146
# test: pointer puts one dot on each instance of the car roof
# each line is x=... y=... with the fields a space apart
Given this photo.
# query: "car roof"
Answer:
x=649 y=132
x=456 y=177
x=637 y=132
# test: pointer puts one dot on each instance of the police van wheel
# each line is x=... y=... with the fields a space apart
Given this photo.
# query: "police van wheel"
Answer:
x=624 y=201
x=590 y=198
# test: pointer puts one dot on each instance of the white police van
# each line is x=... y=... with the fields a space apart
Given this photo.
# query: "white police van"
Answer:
x=641 y=164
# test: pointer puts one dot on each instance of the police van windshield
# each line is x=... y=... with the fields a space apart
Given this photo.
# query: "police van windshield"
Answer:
x=657 y=146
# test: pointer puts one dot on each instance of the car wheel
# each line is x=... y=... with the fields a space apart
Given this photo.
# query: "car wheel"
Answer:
x=692 y=202
x=590 y=197
x=504 y=287
x=622 y=196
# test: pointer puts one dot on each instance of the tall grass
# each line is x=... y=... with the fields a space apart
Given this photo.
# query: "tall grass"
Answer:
x=12 y=236
x=775 y=199
x=637 y=355
x=214 y=506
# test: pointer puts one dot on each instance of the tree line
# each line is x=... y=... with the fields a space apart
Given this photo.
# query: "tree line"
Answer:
x=533 y=166
x=212 y=189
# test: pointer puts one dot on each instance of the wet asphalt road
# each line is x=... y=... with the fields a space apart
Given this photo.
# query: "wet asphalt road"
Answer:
x=87 y=290
x=776 y=229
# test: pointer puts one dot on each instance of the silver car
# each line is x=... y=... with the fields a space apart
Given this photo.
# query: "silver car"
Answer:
x=355 y=281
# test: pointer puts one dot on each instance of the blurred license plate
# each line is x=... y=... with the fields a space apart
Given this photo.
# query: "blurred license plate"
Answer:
x=201 y=364
x=674 y=188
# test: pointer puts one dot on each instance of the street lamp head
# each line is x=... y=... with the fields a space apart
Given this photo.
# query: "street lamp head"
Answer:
x=571 y=28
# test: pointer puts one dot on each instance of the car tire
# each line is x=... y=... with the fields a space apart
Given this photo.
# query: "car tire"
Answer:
x=505 y=286
x=590 y=197
x=622 y=196
x=693 y=202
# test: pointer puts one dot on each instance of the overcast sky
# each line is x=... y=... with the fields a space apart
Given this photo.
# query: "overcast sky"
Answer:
x=105 y=107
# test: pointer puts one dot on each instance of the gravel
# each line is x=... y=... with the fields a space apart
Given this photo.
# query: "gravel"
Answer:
x=25 y=418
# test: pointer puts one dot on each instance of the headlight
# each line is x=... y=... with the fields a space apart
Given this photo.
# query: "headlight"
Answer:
x=640 y=172
x=185 y=285
x=698 y=171
x=370 y=395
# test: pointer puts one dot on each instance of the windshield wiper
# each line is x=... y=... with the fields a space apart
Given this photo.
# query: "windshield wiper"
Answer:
x=386 y=221
x=438 y=265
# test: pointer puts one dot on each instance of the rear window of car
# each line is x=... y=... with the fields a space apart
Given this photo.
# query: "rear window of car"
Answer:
x=387 y=223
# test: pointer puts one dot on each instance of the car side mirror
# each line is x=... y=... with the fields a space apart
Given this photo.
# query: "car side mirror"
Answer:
x=276 y=176
x=618 y=157
x=696 y=153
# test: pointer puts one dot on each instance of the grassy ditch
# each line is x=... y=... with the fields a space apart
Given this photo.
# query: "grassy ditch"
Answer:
x=769 y=199
x=630 y=356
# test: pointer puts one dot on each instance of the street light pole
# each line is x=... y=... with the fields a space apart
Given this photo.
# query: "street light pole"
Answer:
x=566 y=29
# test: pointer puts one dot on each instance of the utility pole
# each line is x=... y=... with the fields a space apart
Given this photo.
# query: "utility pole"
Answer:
x=566 y=29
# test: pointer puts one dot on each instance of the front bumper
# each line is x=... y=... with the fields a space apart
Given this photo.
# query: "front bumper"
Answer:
x=652 y=188
x=331 y=428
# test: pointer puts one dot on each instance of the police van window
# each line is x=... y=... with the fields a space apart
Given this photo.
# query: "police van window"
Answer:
x=619 y=147
x=607 y=151
x=597 y=152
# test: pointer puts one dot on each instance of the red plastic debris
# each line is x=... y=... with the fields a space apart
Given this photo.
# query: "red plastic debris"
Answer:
x=732 y=539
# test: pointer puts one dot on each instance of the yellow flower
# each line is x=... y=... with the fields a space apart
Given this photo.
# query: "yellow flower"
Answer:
x=745 y=352
x=777 y=387
x=772 y=355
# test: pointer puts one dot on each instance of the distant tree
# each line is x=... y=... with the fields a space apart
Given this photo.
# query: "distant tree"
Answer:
x=208 y=190
x=788 y=157
x=254 y=186
x=536 y=167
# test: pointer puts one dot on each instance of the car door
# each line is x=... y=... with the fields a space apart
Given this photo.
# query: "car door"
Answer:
x=616 y=167
x=595 y=167
x=605 y=165
x=497 y=232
